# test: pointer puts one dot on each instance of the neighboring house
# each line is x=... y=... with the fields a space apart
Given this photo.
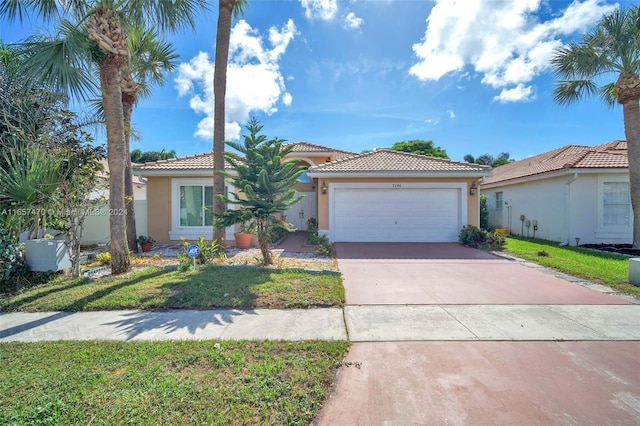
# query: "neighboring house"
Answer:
x=380 y=196
x=96 y=225
x=568 y=193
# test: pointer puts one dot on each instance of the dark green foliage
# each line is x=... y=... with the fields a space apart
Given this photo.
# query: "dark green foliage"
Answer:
x=266 y=182
x=137 y=156
x=208 y=251
x=484 y=212
x=420 y=147
x=11 y=260
x=471 y=236
x=324 y=247
x=489 y=160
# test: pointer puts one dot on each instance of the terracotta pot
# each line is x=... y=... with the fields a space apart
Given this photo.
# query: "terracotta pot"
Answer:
x=146 y=247
x=243 y=241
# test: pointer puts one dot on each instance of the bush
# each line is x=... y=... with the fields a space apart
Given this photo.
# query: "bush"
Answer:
x=470 y=236
x=207 y=252
x=324 y=247
x=11 y=260
x=104 y=258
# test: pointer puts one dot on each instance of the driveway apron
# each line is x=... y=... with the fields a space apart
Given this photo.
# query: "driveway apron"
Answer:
x=459 y=336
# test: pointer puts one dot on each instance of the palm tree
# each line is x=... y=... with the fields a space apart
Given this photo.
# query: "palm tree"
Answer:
x=100 y=30
x=226 y=10
x=611 y=49
x=150 y=58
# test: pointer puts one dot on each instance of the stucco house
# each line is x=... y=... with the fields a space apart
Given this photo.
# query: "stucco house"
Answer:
x=379 y=196
x=573 y=192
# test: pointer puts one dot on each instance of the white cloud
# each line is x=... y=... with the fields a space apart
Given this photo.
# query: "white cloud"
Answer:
x=254 y=80
x=324 y=10
x=520 y=93
x=352 y=22
x=451 y=113
x=505 y=42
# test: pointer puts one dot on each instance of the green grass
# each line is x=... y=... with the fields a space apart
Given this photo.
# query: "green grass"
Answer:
x=599 y=267
x=208 y=287
x=169 y=383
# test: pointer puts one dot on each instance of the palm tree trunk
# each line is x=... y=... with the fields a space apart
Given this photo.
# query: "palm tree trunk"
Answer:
x=223 y=35
x=116 y=151
x=127 y=108
x=631 y=112
x=104 y=29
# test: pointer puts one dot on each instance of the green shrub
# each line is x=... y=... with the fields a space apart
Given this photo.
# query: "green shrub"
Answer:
x=324 y=247
x=470 y=236
x=11 y=260
x=207 y=252
x=104 y=258
x=312 y=226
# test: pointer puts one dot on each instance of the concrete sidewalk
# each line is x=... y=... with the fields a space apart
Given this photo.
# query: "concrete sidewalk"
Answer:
x=356 y=323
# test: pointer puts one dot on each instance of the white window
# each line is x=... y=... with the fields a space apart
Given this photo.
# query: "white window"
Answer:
x=616 y=204
x=192 y=208
x=196 y=205
x=499 y=201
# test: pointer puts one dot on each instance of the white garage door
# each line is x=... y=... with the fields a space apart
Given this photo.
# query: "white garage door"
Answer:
x=397 y=215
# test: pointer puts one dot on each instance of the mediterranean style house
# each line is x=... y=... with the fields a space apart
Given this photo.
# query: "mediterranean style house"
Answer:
x=379 y=196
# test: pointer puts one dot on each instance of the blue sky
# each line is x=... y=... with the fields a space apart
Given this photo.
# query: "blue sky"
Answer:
x=472 y=75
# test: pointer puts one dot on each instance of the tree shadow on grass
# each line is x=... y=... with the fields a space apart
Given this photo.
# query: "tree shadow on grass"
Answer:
x=81 y=304
x=15 y=306
x=215 y=287
x=159 y=325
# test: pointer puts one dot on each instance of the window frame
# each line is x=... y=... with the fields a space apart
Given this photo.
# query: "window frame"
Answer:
x=177 y=230
x=612 y=229
x=499 y=196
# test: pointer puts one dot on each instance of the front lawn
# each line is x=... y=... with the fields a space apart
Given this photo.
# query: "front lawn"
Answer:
x=167 y=383
x=207 y=288
x=599 y=267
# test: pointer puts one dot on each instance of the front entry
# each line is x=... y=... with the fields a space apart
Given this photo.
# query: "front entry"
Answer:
x=302 y=211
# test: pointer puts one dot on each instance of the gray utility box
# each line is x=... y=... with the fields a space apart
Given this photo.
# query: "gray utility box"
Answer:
x=47 y=255
x=634 y=271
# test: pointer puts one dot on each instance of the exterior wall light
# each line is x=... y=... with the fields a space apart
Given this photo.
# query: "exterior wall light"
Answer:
x=473 y=189
x=323 y=188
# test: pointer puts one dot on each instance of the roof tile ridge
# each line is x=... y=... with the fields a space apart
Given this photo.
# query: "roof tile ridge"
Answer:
x=321 y=146
x=440 y=159
x=342 y=160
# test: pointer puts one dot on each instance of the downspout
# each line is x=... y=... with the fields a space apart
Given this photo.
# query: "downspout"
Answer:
x=567 y=210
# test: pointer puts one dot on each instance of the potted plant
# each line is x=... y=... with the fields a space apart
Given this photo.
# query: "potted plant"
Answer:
x=145 y=243
x=244 y=236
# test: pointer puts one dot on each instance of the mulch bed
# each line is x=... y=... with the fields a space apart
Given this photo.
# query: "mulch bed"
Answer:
x=614 y=248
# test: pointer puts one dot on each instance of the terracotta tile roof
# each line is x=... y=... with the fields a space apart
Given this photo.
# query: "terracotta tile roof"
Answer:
x=190 y=162
x=608 y=155
x=309 y=148
x=386 y=160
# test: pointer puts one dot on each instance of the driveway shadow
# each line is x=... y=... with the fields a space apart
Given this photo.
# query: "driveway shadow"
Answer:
x=348 y=251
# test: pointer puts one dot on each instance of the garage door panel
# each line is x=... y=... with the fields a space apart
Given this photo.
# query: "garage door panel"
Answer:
x=403 y=215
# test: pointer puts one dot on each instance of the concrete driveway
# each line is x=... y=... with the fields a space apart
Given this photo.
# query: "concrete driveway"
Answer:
x=425 y=274
x=444 y=334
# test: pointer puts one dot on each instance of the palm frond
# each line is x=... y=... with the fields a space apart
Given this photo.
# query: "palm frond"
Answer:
x=63 y=63
x=47 y=10
x=568 y=92
x=165 y=14
x=608 y=94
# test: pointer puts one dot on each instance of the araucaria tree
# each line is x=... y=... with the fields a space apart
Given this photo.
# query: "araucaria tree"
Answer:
x=610 y=51
x=100 y=27
x=265 y=181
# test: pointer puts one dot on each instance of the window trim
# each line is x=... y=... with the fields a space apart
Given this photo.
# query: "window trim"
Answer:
x=177 y=231
x=501 y=199
x=602 y=180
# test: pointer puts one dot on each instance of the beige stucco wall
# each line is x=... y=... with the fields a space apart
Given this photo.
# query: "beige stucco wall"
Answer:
x=159 y=208
x=473 y=202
